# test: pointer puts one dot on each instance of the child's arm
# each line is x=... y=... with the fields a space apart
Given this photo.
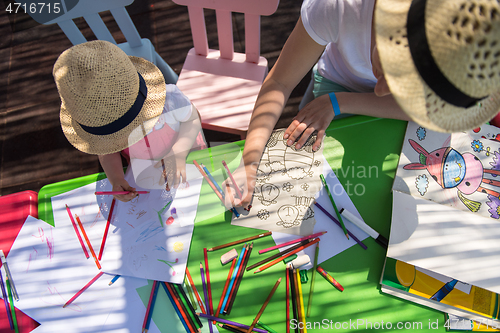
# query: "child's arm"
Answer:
x=112 y=166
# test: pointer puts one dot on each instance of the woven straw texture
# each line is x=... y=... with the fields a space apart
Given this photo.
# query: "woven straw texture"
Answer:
x=97 y=84
x=464 y=39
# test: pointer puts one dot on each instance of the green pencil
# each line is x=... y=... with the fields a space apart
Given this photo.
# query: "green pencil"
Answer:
x=312 y=280
x=267 y=328
x=334 y=205
x=12 y=308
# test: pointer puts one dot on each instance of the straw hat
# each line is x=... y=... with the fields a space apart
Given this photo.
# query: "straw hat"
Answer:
x=108 y=99
x=443 y=69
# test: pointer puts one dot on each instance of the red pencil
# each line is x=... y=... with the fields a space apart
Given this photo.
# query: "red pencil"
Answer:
x=118 y=192
x=101 y=250
x=216 y=314
x=198 y=299
x=154 y=289
x=329 y=278
x=88 y=242
x=277 y=260
x=240 y=196
x=77 y=232
x=209 y=289
x=239 y=277
x=208 y=180
x=287 y=299
x=83 y=289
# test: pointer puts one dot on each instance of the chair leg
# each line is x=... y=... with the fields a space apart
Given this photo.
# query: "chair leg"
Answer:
x=168 y=72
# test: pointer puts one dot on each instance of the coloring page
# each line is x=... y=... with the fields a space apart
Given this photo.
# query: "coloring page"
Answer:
x=287 y=182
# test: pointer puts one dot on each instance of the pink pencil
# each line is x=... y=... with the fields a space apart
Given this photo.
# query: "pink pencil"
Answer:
x=83 y=289
x=240 y=196
x=77 y=232
x=101 y=250
x=298 y=240
x=118 y=192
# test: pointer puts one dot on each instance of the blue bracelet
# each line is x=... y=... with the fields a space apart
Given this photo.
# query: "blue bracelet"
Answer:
x=335 y=103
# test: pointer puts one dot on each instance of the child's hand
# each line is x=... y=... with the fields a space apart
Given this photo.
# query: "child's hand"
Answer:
x=123 y=185
x=245 y=180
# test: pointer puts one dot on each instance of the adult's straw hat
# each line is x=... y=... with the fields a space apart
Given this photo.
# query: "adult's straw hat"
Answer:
x=108 y=99
x=441 y=59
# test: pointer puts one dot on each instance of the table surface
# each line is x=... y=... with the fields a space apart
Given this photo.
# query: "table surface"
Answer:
x=363 y=152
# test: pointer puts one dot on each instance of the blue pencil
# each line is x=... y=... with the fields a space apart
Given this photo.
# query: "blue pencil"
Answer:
x=212 y=179
x=233 y=278
x=113 y=280
x=206 y=295
x=175 y=307
x=7 y=307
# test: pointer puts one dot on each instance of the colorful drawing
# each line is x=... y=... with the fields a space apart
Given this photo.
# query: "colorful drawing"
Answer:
x=463 y=171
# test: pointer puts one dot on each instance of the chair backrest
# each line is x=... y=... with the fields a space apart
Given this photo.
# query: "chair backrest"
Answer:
x=89 y=10
x=252 y=9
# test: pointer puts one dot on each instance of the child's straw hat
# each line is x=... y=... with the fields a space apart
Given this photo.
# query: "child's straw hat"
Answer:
x=441 y=59
x=106 y=96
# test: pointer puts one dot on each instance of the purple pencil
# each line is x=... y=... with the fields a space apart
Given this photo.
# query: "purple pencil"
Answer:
x=7 y=308
x=206 y=295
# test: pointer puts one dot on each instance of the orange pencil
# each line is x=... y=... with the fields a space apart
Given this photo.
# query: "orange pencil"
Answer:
x=216 y=314
x=180 y=307
x=250 y=329
x=277 y=260
x=101 y=250
x=77 y=232
x=198 y=299
x=329 y=278
x=88 y=242
x=240 y=196
x=83 y=289
x=208 y=180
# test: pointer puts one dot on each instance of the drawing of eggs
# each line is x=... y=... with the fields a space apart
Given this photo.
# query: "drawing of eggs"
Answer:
x=269 y=193
x=288 y=215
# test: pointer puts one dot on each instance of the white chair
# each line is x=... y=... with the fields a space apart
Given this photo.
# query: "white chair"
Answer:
x=223 y=84
x=89 y=10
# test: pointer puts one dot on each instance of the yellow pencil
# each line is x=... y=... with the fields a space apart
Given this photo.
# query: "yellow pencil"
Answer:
x=302 y=317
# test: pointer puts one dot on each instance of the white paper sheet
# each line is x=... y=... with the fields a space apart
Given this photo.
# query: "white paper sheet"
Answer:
x=445 y=240
x=139 y=244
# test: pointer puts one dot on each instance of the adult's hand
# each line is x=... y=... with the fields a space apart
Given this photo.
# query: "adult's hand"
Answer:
x=315 y=116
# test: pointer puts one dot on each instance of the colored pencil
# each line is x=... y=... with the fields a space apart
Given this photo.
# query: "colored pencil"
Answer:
x=149 y=308
x=240 y=196
x=94 y=279
x=9 y=275
x=365 y=227
x=6 y=302
x=279 y=254
x=190 y=292
x=334 y=205
x=77 y=232
x=118 y=192
x=108 y=222
x=206 y=295
x=198 y=299
x=309 y=303
x=12 y=308
x=174 y=305
x=226 y=285
x=113 y=280
x=219 y=189
x=231 y=328
x=292 y=242
x=88 y=241
x=301 y=301
x=329 y=278
x=239 y=241
x=266 y=327
x=229 y=322
x=287 y=299
x=239 y=277
x=209 y=286
x=338 y=223
x=277 y=260
x=263 y=306
x=188 y=305
x=293 y=295
x=183 y=310
x=233 y=278
x=212 y=185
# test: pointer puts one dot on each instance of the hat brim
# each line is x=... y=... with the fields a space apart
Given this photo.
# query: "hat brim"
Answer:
x=411 y=93
x=133 y=132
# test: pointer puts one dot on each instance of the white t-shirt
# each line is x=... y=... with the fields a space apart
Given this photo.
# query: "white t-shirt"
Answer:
x=344 y=26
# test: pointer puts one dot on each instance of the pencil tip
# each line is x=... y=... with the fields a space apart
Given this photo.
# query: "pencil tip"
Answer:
x=347 y=236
